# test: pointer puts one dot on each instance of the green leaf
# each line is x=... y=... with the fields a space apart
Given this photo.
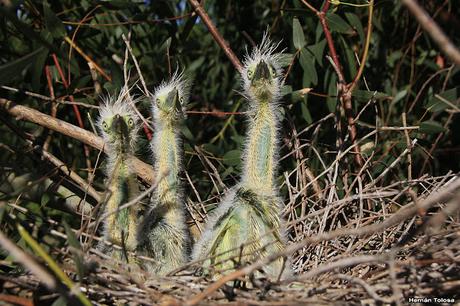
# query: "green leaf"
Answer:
x=364 y=95
x=306 y=112
x=232 y=158
x=338 y=24
x=61 y=301
x=27 y=31
x=53 y=23
x=12 y=70
x=307 y=61
x=285 y=90
x=356 y=24
x=318 y=51
x=76 y=250
x=45 y=198
x=196 y=64
x=186 y=132
x=399 y=96
x=431 y=127
x=297 y=34
x=285 y=59
x=37 y=68
x=435 y=104
x=332 y=93
x=350 y=57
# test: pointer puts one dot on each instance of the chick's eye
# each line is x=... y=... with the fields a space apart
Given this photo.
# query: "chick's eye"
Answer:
x=250 y=74
x=272 y=72
x=181 y=100
x=131 y=122
x=105 y=126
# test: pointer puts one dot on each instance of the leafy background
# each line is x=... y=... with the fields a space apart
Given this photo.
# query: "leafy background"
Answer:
x=405 y=73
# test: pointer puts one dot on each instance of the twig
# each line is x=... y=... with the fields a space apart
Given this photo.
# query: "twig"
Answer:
x=136 y=199
x=393 y=164
x=75 y=108
x=217 y=36
x=142 y=169
x=363 y=284
x=27 y=261
x=409 y=146
x=344 y=91
x=136 y=64
x=404 y=213
x=147 y=127
x=87 y=58
x=352 y=86
x=341 y=263
x=53 y=265
x=434 y=30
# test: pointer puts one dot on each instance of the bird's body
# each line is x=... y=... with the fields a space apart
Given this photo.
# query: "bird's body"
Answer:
x=247 y=225
x=118 y=124
x=163 y=233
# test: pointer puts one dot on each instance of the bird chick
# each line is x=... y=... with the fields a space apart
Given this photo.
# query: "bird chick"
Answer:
x=163 y=234
x=118 y=124
x=246 y=226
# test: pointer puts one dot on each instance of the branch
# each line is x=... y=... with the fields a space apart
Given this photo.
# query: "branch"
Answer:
x=366 y=48
x=217 y=36
x=406 y=212
x=434 y=30
x=142 y=169
x=343 y=90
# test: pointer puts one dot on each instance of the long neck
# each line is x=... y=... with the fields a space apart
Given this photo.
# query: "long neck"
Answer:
x=121 y=226
x=167 y=152
x=261 y=148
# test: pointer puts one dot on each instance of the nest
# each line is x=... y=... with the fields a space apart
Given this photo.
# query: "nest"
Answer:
x=341 y=253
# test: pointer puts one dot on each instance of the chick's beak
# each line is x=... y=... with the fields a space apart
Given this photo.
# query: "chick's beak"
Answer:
x=171 y=100
x=120 y=127
x=262 y=71
x=177 y=105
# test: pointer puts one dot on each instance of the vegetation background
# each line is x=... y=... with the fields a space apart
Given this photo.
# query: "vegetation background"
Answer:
x=61 y=57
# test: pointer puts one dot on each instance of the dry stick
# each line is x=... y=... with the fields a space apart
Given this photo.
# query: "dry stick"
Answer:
x=366 y=48
x=75 y=108
x=217 y=36
x=136 y=64
x=142 y=169
x=27 y=261
x=344 y=90
x=147 y=127
x=45 y=98
x=392 y=165
x=401 y=215
x=74 y=176
x=409 y=146
x=49 y=80
x=85 y=187
x=341 y=263
x=434 y=30
x=87 y=58
x=366 y=286
x=136 y=199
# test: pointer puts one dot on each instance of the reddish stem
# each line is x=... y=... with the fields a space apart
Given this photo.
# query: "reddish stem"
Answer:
x=215 y=33
x=343 y=89
x=74 y=106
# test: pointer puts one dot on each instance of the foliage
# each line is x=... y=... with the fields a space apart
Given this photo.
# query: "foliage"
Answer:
x=405 y=73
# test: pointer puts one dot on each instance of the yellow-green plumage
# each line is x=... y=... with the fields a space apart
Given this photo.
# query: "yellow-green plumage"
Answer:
x=163 y=234
x=118 y=125
x=247 y=225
